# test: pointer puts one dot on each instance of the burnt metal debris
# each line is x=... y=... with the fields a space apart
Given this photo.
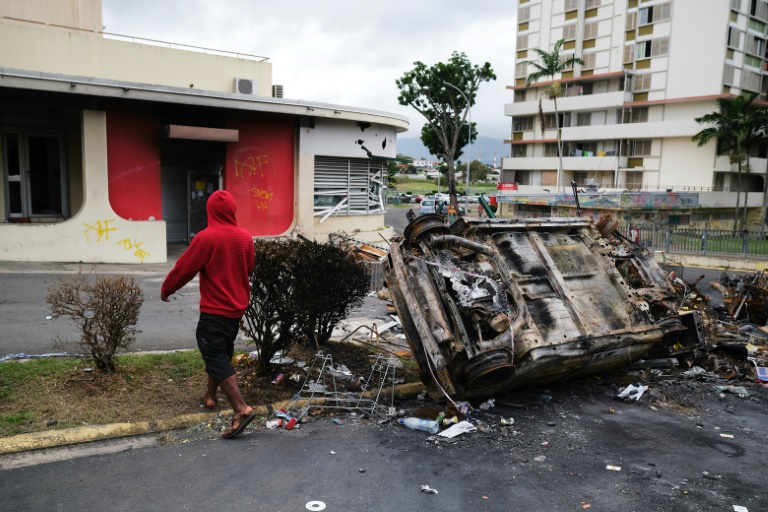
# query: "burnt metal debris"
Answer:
x=494 y=304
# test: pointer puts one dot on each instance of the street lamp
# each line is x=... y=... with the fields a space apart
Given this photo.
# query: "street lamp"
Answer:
x=469 y=139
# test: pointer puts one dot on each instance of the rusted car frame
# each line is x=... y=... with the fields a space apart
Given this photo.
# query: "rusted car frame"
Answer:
x=495 y=304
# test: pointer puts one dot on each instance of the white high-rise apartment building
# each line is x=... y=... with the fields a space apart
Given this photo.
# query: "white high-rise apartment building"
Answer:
x=627 y=114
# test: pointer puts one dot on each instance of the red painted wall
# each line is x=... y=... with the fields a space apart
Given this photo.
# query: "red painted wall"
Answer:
x=133 y=162
x=259 y=173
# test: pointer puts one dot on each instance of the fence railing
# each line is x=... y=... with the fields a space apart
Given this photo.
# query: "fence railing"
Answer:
x=375 y=270
x=711 y=241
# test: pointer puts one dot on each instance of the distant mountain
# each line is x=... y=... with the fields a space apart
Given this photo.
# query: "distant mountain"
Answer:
x=483 y=149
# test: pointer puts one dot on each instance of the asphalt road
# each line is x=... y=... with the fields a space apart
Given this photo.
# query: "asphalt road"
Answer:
x=555 y=458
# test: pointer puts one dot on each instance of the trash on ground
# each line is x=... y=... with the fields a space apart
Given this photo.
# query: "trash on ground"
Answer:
x=736 y=390
x=487 y=405
x=729 y=436
x=739 y=508
x=633 y=392
x=458 y=429
x=420 y=424
x=428 y=489
x=507 y=421
x=315 y=505
x=613 y=468
x=540 y=458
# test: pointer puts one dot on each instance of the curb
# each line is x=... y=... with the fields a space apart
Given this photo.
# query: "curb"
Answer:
x=77 y=435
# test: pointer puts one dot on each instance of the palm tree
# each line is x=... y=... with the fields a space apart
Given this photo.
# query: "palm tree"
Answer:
x=552 y=64
x=740 y=123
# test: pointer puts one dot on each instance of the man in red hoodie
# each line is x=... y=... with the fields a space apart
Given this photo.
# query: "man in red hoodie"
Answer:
x=223 y=254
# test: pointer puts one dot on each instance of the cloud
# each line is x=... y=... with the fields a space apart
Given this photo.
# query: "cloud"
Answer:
x=348 y=53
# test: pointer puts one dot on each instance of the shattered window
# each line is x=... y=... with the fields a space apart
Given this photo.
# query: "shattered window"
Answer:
x=348 y=186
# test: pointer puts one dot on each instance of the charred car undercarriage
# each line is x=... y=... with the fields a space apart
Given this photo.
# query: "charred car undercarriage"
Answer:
x=493 y=304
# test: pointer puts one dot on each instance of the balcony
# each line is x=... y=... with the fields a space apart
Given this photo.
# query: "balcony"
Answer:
x=653 y=130
x=570 y=163
x=601 y=101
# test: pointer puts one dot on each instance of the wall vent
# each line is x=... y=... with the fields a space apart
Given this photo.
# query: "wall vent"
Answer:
x=277 y=91
x=245 y=86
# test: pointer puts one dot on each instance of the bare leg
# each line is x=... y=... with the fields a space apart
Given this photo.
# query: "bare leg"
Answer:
x=232 y=390
x=209 y=399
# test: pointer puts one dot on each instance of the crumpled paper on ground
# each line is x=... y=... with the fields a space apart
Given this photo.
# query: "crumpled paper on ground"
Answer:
x=633 y=392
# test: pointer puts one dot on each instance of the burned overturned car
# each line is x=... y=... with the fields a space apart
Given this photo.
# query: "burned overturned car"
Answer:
x=494 y=304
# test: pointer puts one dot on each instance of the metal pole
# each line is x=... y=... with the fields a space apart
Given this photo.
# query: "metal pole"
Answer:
x=469 y=140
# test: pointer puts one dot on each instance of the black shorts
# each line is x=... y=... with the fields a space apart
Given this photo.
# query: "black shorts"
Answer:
x=216 y=340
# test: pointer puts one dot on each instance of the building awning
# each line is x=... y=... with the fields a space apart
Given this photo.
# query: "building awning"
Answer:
x=175 y=131
x=390 y=159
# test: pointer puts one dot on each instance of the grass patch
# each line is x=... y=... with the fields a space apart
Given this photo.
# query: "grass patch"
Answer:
x=56 y=393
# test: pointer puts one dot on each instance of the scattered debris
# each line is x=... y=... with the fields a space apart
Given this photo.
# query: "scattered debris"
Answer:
x=736 y=390
x=633 y=392
x=613 y=468
x=458 y=429
x=428 y=489
x=315 y=505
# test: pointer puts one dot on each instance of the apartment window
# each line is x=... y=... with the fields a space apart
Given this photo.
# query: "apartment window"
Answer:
x=735 y=5
x=571 y=5
x=729 y=73
x=523 y=177
x=356 y=179
x=734 y=37
x=755 y=45
x=35 y=183
x=550 y=122
x=521 y=70
x=654 y=13
x=634 y=179
x=639 y=115
x=550 y=149
x=652 y=48
x=569 y=32
x=759 y=9
x=584 y=119
x=750 y=80
x=629 y=54
x=522 y=124
x=523 y=14
x=520 y=150
x=639 y=148
x=589 y=60
x=631 y=21
x=584 y=149
x=520 y=95
x=590 y=30
x=522 y=42
x=591 y=4
x=642 y=83
x=756 y=25
x=755 y=62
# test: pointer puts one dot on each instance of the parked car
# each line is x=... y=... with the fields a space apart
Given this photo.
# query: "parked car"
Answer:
x=474 y=199
x=417 y=198
x=427 y=206
x=444 y=211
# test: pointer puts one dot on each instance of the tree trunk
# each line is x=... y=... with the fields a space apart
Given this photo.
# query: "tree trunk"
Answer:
x=738 y=189
x=746 y=201
x=559 y=151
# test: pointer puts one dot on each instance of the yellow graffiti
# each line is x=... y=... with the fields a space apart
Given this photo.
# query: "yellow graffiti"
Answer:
x=129 y=244
x=101 y=230
x=251 y=165
x=262 y=194
x=141 y=253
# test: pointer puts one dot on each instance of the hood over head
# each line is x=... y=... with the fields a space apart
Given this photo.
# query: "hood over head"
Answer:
x=221 y=208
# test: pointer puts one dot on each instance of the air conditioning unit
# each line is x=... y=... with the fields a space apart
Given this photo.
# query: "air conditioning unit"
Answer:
x=277 y=91
x=245 y=86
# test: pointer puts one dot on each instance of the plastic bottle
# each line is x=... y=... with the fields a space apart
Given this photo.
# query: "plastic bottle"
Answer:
x=420 y=424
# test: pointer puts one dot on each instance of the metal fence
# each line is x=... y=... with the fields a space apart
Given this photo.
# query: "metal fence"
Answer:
x=704 y=241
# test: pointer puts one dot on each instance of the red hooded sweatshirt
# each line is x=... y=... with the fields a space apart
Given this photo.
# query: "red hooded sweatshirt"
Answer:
x=223 y=255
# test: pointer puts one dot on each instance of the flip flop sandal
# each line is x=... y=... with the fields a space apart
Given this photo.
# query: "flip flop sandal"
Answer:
x=243 y=421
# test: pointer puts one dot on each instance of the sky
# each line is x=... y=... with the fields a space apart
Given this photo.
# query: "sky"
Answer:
x=343 y=52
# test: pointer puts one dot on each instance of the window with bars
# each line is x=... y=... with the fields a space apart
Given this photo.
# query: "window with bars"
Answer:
x=589 y=60
x=750 y=80
x=569 y=32
x=522 y=42
x=590 y=30
x=349 y=186
x=523 y=14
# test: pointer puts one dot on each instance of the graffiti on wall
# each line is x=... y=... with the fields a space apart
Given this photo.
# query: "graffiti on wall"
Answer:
x=101 y=229
x=251 y=164
x=640 y=200
x=261 y=198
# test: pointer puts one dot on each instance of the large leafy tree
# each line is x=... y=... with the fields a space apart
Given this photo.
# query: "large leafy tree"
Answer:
x=741 y=126
x=548 y=65
x=427 y=90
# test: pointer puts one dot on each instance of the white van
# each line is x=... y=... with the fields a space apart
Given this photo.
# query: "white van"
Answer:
x=427 y=206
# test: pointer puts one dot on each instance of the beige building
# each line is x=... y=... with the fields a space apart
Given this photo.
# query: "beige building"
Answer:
x=110 y=145
x=627 y=114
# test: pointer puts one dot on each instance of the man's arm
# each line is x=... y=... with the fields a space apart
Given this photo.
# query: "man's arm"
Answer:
x=186 y=268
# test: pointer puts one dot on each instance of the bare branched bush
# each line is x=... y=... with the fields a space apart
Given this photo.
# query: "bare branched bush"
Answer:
x=105 y=311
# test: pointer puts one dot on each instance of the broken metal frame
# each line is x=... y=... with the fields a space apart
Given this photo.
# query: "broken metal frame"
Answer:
x=315 y=394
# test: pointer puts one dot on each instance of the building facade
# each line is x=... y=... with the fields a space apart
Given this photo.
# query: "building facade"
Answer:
x=110 y=147
x=627 y=114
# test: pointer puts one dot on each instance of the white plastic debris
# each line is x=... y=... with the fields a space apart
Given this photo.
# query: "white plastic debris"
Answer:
x=739 y=508
x=633 y=392
x=428 y=489
x=460 y=428
x=695 y=371
x=613 y=468
x=315 y=505
x=485 y=406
